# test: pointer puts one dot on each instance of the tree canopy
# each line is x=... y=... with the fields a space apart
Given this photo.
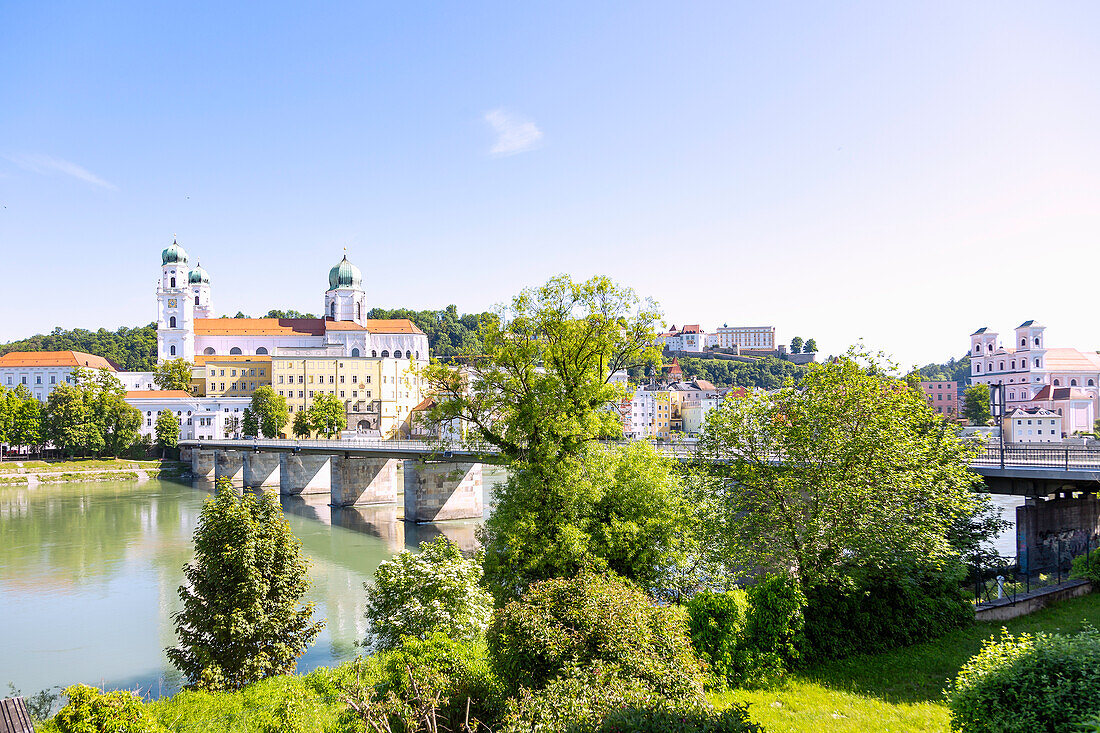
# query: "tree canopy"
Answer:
x=766 y=373
x=976 y=404
x=131 y=349
x=270 y=410
x=173 y=374
x=90 y=416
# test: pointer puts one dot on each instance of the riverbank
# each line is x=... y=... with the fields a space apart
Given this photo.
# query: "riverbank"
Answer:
x=19 y=473
x=899 y=691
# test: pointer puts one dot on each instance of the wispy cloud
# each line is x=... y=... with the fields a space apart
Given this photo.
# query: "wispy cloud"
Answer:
x=515 y=134
x=47 y=165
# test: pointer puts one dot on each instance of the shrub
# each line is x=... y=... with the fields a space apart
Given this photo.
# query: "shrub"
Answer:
x=92 y=711
x=598 y=701
x=434 y=591
x=1028 y=684
x=870 y=612
x=1087 y=566
x=587 y=621
x=773 y=629
x=717 y=625
x=242 y=617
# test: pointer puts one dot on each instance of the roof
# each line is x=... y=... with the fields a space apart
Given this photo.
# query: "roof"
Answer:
x=1027 y=324
x=693 y=328
x=297 y=326
x=675 y=368
x=983 y=329
x=158 y=394
x=1050 y=393
x=1071 y=360
x=55 y=359
x=704 y=385
x=1032 y=412
x=201 y=359
x=425 y=404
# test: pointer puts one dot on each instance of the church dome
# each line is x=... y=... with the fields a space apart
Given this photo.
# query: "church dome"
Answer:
x=173 y=255
x=345 y=275
x=198 y=276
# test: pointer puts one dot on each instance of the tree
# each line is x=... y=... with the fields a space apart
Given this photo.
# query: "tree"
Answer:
x=122 y=422
x=302 y=427
x=976 y=404
x=270 y=410
x=243 y=618
x=167 y=429
x=27 y=425
x=250 y=424
x=173 y=374
x=419 y=594
x=796 y=345
x=328 y=415
x=853 y=468
x=70 y=423
x=810 y=347
x=231 y=426
x=541 y=392
x=132 y=349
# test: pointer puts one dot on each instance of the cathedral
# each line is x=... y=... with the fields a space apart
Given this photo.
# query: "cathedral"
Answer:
x=187 y=326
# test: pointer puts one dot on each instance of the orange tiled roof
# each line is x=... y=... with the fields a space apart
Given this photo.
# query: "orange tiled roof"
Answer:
x=203 y=359
x=54 y=359
x=1061 y=360
x=157 y=394
x=296 y=326
x=375 y=325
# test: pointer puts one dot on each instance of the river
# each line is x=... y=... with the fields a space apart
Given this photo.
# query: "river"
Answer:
x=89 y=573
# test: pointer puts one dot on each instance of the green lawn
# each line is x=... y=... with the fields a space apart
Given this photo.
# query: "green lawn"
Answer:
x=899 y=691
x=80 y=464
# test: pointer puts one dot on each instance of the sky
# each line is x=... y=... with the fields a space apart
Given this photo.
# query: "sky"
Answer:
x=896 y=174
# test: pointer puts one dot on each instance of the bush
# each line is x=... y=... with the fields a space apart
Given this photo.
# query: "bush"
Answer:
x=92 y=711
x=1087 y=566
x=599 y=701
x=773 y=630
x=592 y=621
x=717 y=625
x=1027 y=684
x=434 y=591
x=871 y=612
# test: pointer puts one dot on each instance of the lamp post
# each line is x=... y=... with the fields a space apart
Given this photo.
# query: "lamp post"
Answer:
x=998 y=408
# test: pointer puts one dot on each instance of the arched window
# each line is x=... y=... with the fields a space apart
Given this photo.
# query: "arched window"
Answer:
x=1001 y=366
x=1036 y=340
x=172 y=350
x=235 y=351
x=1023 y=342
x=261 y=350
x=1092 y=383
x=1073 y=382
x=418 y=355
x=989 y=347
x=173 y=280
x=1013 y=363
x=1036 y=363
x=332 y=309
x=355 y=352
x=172 y=322
x=978 y=368
x=196 y=300
x=209 y=350
x=1059 y=410
x=373 y=352
x=977 y=348
x=385 y=353
x=1057 y=383
x=358 y=311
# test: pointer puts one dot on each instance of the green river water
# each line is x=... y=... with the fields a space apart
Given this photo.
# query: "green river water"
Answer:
x=89 y=574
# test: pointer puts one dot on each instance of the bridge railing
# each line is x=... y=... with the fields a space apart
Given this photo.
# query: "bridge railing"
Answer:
x=1009 y=579
x=1040 y=456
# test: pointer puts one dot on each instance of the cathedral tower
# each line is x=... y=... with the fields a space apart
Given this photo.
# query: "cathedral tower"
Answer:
x=345 y=299
x=175 y=306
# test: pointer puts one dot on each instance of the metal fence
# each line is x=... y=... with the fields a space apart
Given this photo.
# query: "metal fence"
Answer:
x=1008 y=579
x=1040 y=456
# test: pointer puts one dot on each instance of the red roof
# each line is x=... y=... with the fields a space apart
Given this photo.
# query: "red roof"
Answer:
x=158 y=394
x=675 y=368
x=54 y=359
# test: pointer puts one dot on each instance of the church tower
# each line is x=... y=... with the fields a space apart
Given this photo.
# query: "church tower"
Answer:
x=201 y=299
x=345 y=299
x=175 y=307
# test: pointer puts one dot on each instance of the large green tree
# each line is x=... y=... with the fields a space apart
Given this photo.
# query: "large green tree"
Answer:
x=851 y=468
x=270 y=410
x=25 y=424
x=796 y=345
x=132 y=349
x=243 y=615
x=71 y=423
x=328 y=415
x=301 y=426
x=976 y=404
x=167 y=430
x=173 y=374
x=542 y=393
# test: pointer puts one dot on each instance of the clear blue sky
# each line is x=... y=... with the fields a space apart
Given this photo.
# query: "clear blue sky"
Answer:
x=840 y=170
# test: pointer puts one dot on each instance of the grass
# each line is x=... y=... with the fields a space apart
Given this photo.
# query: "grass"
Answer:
x=897 y=691
x=68 y=477
x=81 y=464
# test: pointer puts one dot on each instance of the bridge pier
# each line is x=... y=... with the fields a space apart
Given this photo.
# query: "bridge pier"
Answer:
x=363 y=481
x=261 y=469
x=1053 y=530
x=304 y=473
x=229 y=464
x=202 y=463
x=439 y=491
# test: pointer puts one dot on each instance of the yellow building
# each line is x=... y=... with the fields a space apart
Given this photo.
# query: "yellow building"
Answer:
x=232 y=376
x=379 y=393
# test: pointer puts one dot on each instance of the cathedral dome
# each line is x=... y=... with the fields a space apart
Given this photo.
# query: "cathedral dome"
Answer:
x=198 y=276
x=345 y=275
x=173 y=255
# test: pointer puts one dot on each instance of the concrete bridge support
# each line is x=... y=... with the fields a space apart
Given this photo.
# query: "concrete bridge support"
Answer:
x=358 y=481
x=202 y=463
x=303 y=473
x=439 y=491
x=261 y=469
x=229 y=464
x=1051 y=530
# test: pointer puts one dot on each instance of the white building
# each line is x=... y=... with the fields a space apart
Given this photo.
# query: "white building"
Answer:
x=41 y=371
x=689 y=338
x=647 y=414
x=693 y=412
x=1034 y=425
x=760 y=338
x=199 y=417
x=132 y=381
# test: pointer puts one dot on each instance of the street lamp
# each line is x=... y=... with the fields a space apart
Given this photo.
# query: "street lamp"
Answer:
x=998 y=408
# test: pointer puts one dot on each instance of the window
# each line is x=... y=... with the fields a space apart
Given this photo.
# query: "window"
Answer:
x=172 y=350
x=261 y=372
x=332 y=310
x=172 y=322
x=373 y=352
x=358 y=311
x=53 y=379
x=235 y=351
x=1036 y=340
x=355 y=352
x=1001 y=366
x=1013 y=364
x=978 y=368
x=341 y=379
x=38 y=379
x=368 y=379
x=1056 y=382
x=311 y=393
x=1023 y=342
x=280 y=379
x=977 y=348
x=1073 y=382
x=1091 y=383
x=331 y=379
x=301 y=379
x=385 y=353
x=341 y=393
x=233 y=372
x=209 y=350
x=261 y=350
x=173 y=282
x=1036 y=363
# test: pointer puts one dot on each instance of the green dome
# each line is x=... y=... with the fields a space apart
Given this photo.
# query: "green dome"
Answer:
x=345 y=275
x=198 y=276
x=174 y=254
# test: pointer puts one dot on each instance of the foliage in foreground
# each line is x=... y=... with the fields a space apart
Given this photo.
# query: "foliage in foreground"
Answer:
x=92 y=711
x=1087 y=566
x=242 y=616
x=566 y=625
x=1028 y=684
x=435 y=590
